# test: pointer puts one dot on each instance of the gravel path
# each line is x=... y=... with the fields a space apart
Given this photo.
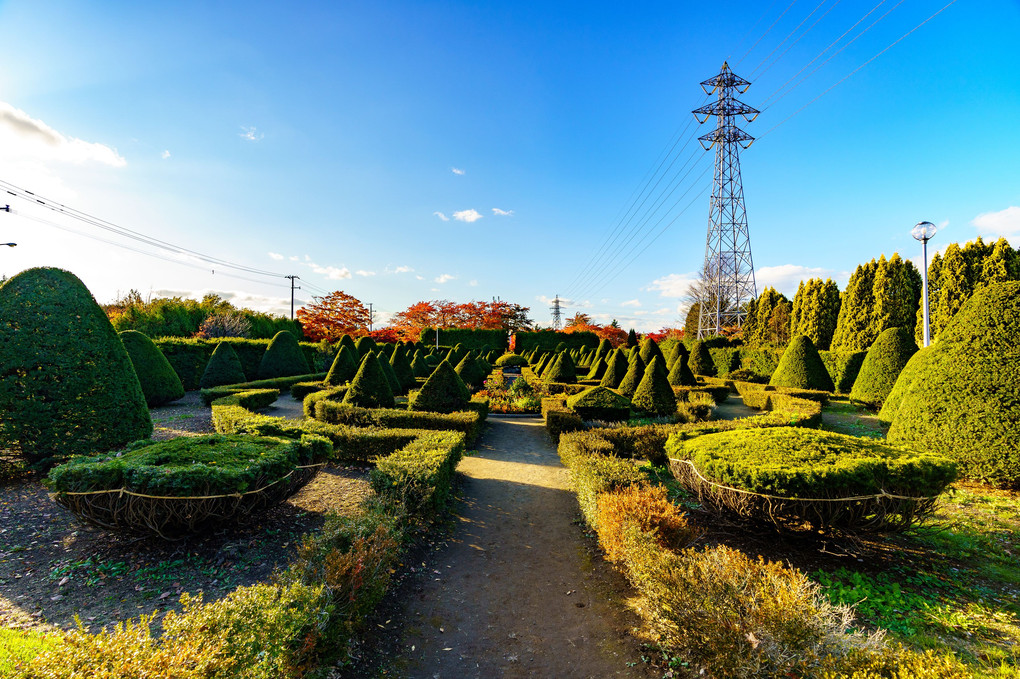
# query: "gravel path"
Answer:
x=519 y=591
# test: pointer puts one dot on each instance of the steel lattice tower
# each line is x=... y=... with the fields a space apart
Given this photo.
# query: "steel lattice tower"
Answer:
x=728 y=276
x=555 y=308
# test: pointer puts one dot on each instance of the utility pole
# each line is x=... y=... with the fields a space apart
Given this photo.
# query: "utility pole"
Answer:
x=556 y=308
x=292 y=289
x=371 y=316
x=728 y=276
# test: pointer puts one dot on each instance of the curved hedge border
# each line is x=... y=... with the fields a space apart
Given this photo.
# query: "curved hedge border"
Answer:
x=469 y=422
x=280 y=384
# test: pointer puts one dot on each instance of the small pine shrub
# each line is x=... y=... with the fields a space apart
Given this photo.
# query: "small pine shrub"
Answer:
x=562 y=370
x=391 y=376
x=224 y=367
x=348 y=341
x=160 y=383
x=344 y=368
x=654 y=393
x=369 y=388
x=632 y=340
x=700 y=361
x=598 y=369
x=801 y=367
x=419 y=365
x=680 y=374
x=443 y=392
x=635 y=373
x=283 y=358
x=471 y=372
x=882 y=365
x=648 y=508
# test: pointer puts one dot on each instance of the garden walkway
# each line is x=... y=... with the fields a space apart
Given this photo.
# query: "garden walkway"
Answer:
x=518 y=591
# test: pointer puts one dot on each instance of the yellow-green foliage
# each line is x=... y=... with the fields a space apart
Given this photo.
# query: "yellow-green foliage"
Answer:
x=18 y=647
x=600 y=403
x=420 y=475
x=882 y=365
x=593 y=470
x=801 y=367
x=650 y=509
x=160 y=383
x=896 y=662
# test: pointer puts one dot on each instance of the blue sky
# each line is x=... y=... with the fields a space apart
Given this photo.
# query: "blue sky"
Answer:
x=331 y=140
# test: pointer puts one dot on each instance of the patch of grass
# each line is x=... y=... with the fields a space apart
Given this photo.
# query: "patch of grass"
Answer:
x=843 y=417
x=19 y=646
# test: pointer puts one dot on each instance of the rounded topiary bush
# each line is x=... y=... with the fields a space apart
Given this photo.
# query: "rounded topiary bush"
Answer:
x=959 y=397
x=600 y=403
x=801 y=367
x=443 y=392
x=511 y=361
x=654 y=394
x=364 y=345
x=188 y=484
x=562 y=370
x=882 y=365
x=700 y=361
x=283 y=358
x=67 y=386
x=789 y=474
x=224 y=367
x=369 y=388
x=344 y=368
x=160 y=384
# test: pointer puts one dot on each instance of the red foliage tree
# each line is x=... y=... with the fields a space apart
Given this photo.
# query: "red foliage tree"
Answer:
x=497 y=315
x=333 y=316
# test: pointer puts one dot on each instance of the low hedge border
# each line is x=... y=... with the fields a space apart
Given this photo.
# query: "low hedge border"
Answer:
x=280 y=383
x=468 y=422
x=555 y=387
x=252 y=399
x=419 y=476
x=559 y=419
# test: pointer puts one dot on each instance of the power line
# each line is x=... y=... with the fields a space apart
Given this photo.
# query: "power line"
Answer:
x=799 y=38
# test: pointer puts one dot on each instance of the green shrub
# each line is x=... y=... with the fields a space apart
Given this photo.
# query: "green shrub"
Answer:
x=370 y=388
x=391 y=377
x=958 y=398
x=594 y=471
x=364 y=345
x=160 y=384
x=558 y=417
x=882 y=365
x=676 y=349
x=600 y=403
x=279 y=384
x=67 y=386
x=549 y=340
x=598 y=369
x=511 y=361
x=252 y=399
x=635 y=373
x=649 y=349
x=223 y=368
x=843 y=368
x=299 y=390
x=654 y=394
x=420 y=365
x=647 y=507
x=616 y=370
x=283 y=358
x=562 y=370
x=443 y=392
x=420 y=475
x=345 y=366
x=700 y=361
x=726 y=359
x=402 y=367
x=680 y=374
x=468 y=421
x=761 y=361
x=471 y=372
x=801 y=367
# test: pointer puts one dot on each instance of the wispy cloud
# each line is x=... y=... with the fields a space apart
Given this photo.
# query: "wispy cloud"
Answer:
x=275 y=255
x=1002 y=223
x=421 y=278
x=457 y=171
x=294 y=258
x=165 y=155
x=502 y=213
x=334 y=273
x=400 y=269
x=249 y=133
x=673 y=285
x=21 y=134
x=468 y=216
x=473 y=283
x=441 y=216
x=631 y=302
x=443 y=278
x=362 y=272
x=786 y=277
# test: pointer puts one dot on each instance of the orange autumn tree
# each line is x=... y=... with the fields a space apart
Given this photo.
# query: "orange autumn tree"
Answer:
x=581 y=322
x=495 y=315
x=333 y=316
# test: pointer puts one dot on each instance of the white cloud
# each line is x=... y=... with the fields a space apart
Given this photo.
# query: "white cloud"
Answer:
x=24 y=136
x=165 y=155
x=401 y=269
x=457 y=171
x=441 y=216
x=786 y=277
x=673 y=285
x=631 y=302
x=434 y=289
x=421 y=278
x=331 y=272
x=362 y=272
x=502 y=213
x=294 y=258
x=473 y=283
x=444 y=278
x=1002 y=223
x=468 y=216
x=275 y=255
x=249 y=133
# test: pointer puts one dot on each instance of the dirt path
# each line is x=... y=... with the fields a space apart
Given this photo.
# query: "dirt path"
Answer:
x=518 y=591
x=733 y=408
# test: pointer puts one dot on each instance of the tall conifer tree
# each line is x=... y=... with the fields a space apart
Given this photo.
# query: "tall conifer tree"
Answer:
x=853 y=324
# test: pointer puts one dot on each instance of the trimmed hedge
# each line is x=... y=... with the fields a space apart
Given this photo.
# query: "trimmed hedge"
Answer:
x=160 y=384
x=509 y=360
x=344 y=367
x=190 y=356
x=468 y=422
x=283 y=358
x=680 y=374
x=843 y=368
x=469 y=338
x=420 y=475
x=443 y=392
x=370 y=388
x=471 y=372
x=66 y=383
x=654 y=394
x=558 y=417
x=726 y=360
x=594 y=470
x=224 y=367
x=281 y=384
x=700 y=361
x=882 y=365
x=562 y=370
x=801 y=367
x=616 y=370
x=600 y=403
x=550 y=340
x=635 y=373
x=762 y=361
x=402 y=367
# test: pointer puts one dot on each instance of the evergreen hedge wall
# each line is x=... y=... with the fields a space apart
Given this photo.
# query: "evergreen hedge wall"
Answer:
x=547 y=340
x=189 y=356
x=468 y=338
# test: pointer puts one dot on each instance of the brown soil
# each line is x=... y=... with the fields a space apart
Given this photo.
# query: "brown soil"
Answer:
x=517 y=590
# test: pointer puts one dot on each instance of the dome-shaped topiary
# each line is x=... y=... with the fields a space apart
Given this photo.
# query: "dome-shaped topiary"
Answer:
x=600 y=403
x=635 y=373
x=562 y=370
x=443 y=392
x=402 y=367
x=654 y=394
x=364 y=345
x=67 y=386
x=160 y=383
x=369 y=388
x=958 y=398
x=649 y=350
x=224 y=367
x=680 y=374
x=616 y=370
x=801 y=367
x=509 y=360
x=471 y=372
x=344 y=368
x=700 y=361
x=882 y=365
x=283 y=358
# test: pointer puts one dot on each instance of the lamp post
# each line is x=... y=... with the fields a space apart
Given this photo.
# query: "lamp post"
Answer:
x=923 y=232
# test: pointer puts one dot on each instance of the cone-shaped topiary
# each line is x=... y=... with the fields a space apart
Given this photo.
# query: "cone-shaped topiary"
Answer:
x=680 y=374
x=224 y=367
x=562 y=370
x=700 y=361
x=402 y=367
x=542 y=363
x=385 y=351
x=443 y=392
x=283 y=358
x=562 y=346
x=882 y=365
x=649 y=350
x=369 y=388
x=419 y=366
x=67 y=386
x=344 y=368
x=391 y=377
x=348 y=341
x=635 y=372
x=678 y=350
x=654 y=394
x=632 y=339
x=160 y=383
x=616 y=369
x=598 y=369
x=605 y=348
x=958 y=398
x=600 y=403
x=471 y=372
x=364 y=345
x=801 y=367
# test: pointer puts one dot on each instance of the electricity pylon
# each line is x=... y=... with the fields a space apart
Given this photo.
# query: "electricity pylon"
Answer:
x=728 y=276
x=557 y=320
